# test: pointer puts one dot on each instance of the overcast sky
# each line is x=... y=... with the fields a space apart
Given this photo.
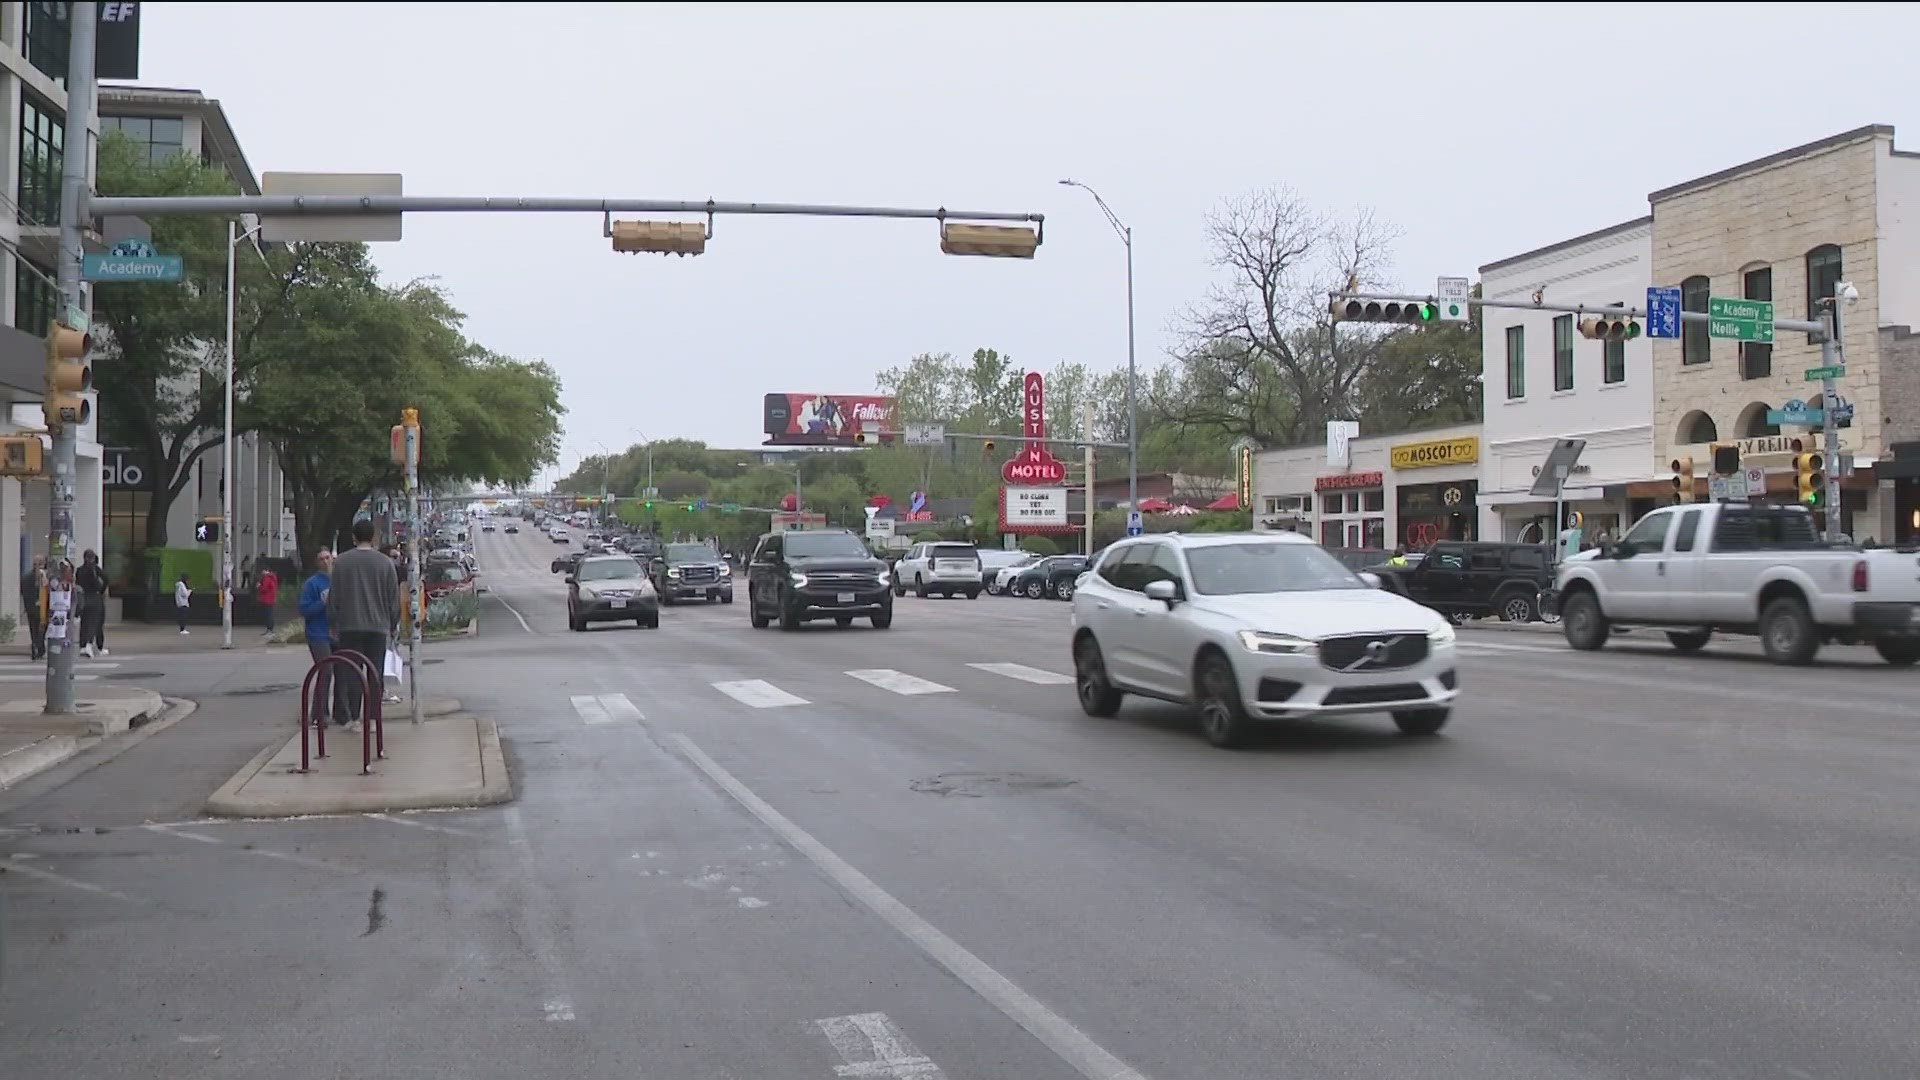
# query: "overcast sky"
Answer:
x=1481 y=131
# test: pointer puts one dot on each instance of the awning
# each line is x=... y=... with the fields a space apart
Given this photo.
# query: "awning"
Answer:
x=1229 y=501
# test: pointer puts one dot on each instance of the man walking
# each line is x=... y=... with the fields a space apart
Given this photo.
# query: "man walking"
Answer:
x=32 y=584
x=362 y=603
x=330 y=696
x=267 y=591
x=92 y=580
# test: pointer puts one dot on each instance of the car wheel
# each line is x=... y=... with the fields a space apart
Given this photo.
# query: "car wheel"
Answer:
x=651 y=622
x=1421 y=721
x=1582 y=621
x=1689 y=640
x=1516 y=607
x=884 y=619
x=789 y=618
x=1787 y=633
x=1223 y=717
x=1901 y=651
x=973 y=594
x=1035 y=589
x=993 y=588
x=726 y=597
x=1063 y=591
x=920 y=587
x=1097 y=696
x=755 y=616
x=899 y=587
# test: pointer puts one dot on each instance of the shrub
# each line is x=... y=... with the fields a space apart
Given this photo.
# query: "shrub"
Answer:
x=1039 y=545
x=9 y=625
x=455 y=611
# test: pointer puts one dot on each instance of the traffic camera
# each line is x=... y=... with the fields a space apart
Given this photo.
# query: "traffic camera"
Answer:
x=1810 y=478
x=1409 y=312
x=1682 y=479
x=659 y=237
x=993 y=241
x=68 y=377
x=1618 y=328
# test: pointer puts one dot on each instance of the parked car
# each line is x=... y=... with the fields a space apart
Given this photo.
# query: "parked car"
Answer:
x=947 y=567
x=1469 y=580
x=1052 y=577
x=802 y=575
x=1742 y=569
x=1249 y=627
x=610 y=588
x=1000 y=572
x=691 y=572
x=440 y=579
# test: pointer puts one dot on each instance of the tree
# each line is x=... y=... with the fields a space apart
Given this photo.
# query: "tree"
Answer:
x=1423 y=377
x=682 y=484
x=926 y=389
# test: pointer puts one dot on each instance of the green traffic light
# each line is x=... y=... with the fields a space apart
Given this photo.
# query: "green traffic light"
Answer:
x=1633 y=329
x=1428 y=312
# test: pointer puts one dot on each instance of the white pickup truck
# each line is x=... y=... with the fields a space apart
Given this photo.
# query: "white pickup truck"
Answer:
x=1743 y=569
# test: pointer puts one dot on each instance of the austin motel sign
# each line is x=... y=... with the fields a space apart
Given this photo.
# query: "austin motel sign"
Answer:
x=1033 y=465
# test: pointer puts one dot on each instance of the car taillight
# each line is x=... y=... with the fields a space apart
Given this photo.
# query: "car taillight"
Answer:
x=1860 y=576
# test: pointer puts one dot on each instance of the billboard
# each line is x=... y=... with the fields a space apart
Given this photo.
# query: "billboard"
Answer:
x=826 y=419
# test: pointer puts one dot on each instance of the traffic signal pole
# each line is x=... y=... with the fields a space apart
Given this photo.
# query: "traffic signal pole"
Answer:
x=61 y=609
x=1830 y=397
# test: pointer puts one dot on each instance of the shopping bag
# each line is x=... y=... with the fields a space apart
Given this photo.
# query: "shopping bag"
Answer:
x=395 y=669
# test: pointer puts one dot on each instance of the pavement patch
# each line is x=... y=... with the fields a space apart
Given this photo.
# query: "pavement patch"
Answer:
x=978 y=785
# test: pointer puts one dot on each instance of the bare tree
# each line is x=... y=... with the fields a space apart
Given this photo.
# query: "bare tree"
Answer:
x=1260 y=359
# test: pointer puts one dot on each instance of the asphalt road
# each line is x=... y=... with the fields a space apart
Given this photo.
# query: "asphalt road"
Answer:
x=741 y=853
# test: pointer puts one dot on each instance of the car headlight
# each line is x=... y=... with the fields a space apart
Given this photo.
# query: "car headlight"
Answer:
x=1441 y=635
x=589 y=594
x=1284 y=644
x=673 y=571
x=799 y=581
x=725 y=570
x=645 y=589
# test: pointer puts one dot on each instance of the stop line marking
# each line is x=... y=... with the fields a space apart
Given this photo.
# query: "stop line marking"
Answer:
x=758 y=694
x=605 y=709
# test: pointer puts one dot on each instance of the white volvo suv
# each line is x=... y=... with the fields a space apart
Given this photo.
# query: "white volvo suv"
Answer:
x=1255 y=626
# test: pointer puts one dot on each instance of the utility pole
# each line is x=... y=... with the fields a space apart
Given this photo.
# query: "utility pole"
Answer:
x=1830 y=358
x=406 y=453
x=73 y=194
x=1087 y=420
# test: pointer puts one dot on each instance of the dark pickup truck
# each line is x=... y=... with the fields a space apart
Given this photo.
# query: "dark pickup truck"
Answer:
x=691 y=572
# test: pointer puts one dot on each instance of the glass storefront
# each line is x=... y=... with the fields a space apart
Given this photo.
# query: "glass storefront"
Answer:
x=1430 y=513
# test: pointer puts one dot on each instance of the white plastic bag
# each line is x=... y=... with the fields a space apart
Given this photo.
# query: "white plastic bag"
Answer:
x=396 y=670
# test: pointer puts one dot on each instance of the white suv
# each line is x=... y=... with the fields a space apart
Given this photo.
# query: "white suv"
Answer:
x=945 y=567
x=1252 y=627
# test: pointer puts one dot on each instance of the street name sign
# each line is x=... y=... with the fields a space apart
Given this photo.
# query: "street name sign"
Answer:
x=1739 y=320
x=1834 y=371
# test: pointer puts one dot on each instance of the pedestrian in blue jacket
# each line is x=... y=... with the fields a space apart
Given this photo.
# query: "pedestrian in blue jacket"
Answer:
x=330 y=699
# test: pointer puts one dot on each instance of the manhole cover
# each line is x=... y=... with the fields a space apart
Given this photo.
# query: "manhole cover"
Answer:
x=976 y=785
x=135 y=675
x=270 y=688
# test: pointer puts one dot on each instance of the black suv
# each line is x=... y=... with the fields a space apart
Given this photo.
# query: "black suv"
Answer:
x=1465 y=580
x=805 y=574
x=691 y=572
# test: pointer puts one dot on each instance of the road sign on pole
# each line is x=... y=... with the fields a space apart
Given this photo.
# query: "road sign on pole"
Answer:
x=926 y=434
x=1135 y=524
x=1663 y=312
x=1740 y=320
x=1452 y=294
x=1831 y=371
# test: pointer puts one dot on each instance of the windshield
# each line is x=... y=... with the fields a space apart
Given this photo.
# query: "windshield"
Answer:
x=1234 y=569
x=608 y=569
x=953 y=551
x=691 y=553
x=442 y=573
x=804 y=545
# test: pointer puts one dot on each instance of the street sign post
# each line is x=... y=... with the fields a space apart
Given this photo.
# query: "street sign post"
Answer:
x=729 y=508
x=1663 y=312
x=1831 y=371
x=1135 y=524
x=1739 y=320
x=926 y=434
x=1756 y=480
x=131 y=260
x=1452 y=293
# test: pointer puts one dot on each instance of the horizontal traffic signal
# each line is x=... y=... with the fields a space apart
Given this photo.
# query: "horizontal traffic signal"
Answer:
x=1616 y=328
x=993 y=241
x=660 y=237
x=1407 y=312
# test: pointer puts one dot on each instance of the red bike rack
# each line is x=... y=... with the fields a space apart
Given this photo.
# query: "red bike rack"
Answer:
x=373 y=733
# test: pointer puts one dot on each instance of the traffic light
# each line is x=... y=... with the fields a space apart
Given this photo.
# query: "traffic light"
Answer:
x=1618 y=328
x=68 y=376
x=1810 y=478
x=21 y=455
x=1682 y=478
x=659 y=237
x=1726 y=459
x=1411 y=312
x=859 y=438
x=207 y=531
x=993 y=241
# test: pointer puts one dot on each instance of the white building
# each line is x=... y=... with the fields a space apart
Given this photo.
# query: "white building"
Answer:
x=1406 y=490
x=1542 y=381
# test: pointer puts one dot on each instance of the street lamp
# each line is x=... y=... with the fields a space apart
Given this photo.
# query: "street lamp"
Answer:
x=1133 y=420
x=649 y=445
x=234 y=237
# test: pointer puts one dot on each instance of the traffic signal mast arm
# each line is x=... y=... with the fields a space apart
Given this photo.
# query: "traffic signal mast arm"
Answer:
x=1602 y=310
x=1023 y=439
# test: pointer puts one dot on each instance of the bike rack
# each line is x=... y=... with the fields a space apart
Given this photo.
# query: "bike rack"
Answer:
x=372 y=729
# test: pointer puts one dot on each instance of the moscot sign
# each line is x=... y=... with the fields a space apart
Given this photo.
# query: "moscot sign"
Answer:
x=1426 y=455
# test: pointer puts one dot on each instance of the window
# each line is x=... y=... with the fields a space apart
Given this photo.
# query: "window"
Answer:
x=40 y=158
x=159 y=137
x=1374 y=501
x=1650 y=534
x=1823 y=273
x=1756 y=357
x=124 y=535
x=1516 y=362
x=1160 y=564
x=1613 y=362
x=1238 y=569
x=1527 y=558
x=1753 y=423
x=1695 y=346
x=47 y=32
x=34 y=300
x=1486 y=560
x=1689 y=525
x=1563 y=352
x=1698 y=427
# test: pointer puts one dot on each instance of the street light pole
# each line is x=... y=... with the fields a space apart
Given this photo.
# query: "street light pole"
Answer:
x=1133 y=416
x=227 y=459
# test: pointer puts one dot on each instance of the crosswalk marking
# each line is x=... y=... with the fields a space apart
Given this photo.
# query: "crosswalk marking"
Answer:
x=1025 y=673
x=605 y=709
x=620 y=708
x=899 y=681
x=758 y=694
x=39 y=665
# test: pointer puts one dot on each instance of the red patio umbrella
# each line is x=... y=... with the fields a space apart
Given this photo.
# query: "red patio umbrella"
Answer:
x=1155 y=506
x=1229 y=501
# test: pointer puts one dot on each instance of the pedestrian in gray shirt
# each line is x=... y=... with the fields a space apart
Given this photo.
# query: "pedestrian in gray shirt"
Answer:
x=363 y=603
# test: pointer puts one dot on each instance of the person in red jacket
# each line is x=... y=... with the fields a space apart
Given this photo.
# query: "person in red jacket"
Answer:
x=267 y=590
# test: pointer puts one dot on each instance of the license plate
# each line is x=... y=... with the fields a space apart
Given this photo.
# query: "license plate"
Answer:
x=619 y=603
x=846 y=598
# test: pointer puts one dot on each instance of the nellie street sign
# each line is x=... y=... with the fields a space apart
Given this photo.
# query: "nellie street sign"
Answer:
x=1740 y=320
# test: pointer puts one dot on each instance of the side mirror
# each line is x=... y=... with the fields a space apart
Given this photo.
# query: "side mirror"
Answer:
x=1167 y=592
x=1372 y=579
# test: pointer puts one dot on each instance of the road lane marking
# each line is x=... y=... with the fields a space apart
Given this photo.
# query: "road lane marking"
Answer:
x=899 y=682
x=1025 y=673
x=758 y=694
x=511 y=611
x=871 y=1044
x=409 y=820
x=590 y=710
x=619 y=707
x=41 y=665
x=14 y=865
x=42 y=678
x=1071 y=1044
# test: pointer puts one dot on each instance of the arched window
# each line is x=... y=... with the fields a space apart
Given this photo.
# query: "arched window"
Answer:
x=1823 y=273
x=1697 y=427
x=1695 y=346
x=1753 y=422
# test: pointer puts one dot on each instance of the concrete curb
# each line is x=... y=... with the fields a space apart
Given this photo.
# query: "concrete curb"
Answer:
x=38 y=757
x=224 y=802
x=496 y=786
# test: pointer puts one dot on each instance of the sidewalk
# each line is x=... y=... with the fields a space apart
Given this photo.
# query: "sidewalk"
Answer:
x=147 y=639
x=31 y=741
x=449 y=760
